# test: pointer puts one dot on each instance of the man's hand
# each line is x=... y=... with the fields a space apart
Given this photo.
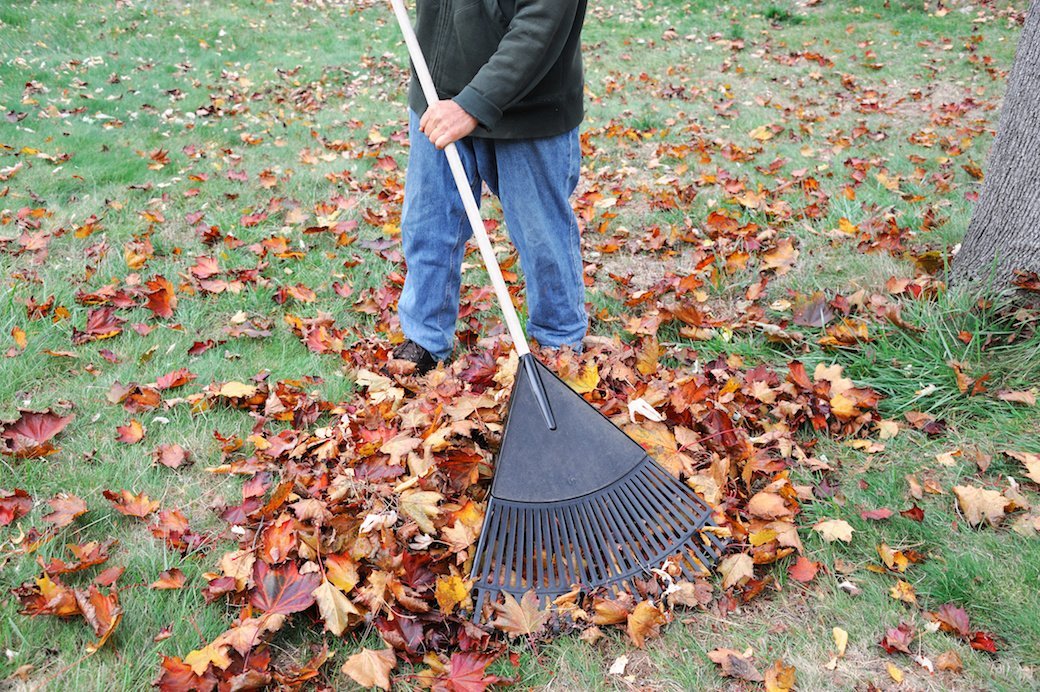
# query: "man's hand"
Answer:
x=445 y=122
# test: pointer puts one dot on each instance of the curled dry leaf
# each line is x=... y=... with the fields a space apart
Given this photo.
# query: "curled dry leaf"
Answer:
x=645 y=623
x=735 y=664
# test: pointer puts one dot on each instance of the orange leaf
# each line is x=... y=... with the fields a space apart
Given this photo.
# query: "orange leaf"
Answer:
x=524 y=617
x=125 y=502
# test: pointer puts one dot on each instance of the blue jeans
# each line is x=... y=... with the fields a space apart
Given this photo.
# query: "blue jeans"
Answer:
x=534 y=179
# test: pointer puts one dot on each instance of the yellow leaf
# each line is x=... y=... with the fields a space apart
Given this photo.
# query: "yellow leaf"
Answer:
x=586 y=380
x=903 y=591
x=780 y=677
x=834 y=530
x=842 y=406
x=762 y=133
x=341 y=570
x=888 y=428
x=421 y=505
x=237 y=390
x=451 y=592
x=895 y=673
x=335 y=608
x=214 y=653
x=841 y=639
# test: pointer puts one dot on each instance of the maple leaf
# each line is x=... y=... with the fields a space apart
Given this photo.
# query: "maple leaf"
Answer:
x=421 y=505
x=46 y=597
x=342 y=571
x=768 y=506
x=780 y=677
x=336 y=609
x=101 y=611
x=523 y=618
x=125 y=502
x=645 y=623
x=13 y=505
x=282 y=589
x=213 y=654
x=29 y=435
x=64 y=509
x=170 y=579
x=466 y=673
x=736 y=570
x=803 y=569
x=834 y=530
x=898 y=639
x=371 y=668
x=1030 y=461
x=980 y=505
x=161 y=299
x=452 y=591
x=171 y=455
x=131 y=433
x=177 y=676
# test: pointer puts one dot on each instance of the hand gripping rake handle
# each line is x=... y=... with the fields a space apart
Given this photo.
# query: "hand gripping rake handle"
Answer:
x=505 y=301
x=487 y=253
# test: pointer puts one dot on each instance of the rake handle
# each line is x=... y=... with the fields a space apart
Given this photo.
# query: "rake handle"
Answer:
x=487 y=252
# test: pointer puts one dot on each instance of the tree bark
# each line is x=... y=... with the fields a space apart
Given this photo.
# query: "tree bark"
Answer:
x=1004 y=232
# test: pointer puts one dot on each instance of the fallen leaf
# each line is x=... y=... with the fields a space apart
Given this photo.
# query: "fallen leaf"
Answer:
x=168 y=580
x=336 y=609
x=645 y=623
x=735 y=664
x=803 y=569
x=371 y=668
x=980 y=505
x=64 y=509
x=834 y=530
x=523 y=618
x=1030 y=461
x=736 y=570
x=421 y=505
x=780 y=677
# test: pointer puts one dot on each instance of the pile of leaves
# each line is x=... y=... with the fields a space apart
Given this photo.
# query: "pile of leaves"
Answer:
x=366 y=514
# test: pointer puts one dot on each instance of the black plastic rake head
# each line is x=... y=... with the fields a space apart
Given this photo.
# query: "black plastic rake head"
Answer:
x=575 y=501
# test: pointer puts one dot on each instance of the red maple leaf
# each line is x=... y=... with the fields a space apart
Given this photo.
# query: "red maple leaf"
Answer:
x=28 y=437
x=466 y=674
x=282 y=589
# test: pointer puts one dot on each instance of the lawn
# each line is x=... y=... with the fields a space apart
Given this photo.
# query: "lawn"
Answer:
x=199 y=208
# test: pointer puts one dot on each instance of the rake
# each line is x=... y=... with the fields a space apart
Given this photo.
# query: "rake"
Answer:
x=574 y=501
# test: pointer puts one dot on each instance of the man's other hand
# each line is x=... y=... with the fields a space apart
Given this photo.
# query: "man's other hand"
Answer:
x=445 y=122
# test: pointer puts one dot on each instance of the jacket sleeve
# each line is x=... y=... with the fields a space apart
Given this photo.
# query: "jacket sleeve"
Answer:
x=530 y=47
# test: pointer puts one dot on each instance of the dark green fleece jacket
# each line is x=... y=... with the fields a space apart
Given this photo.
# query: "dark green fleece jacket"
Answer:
x=514 y=65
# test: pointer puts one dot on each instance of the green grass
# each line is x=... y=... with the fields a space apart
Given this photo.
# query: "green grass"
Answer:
x=270 y=61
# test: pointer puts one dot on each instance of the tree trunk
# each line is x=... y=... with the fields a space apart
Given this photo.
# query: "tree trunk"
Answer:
x=1004 y=233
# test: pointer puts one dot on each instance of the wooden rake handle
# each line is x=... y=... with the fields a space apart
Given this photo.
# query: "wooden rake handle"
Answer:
x=487 y=252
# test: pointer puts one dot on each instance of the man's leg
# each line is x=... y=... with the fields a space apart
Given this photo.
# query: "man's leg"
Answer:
x=434 y=231
x=535 y=179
